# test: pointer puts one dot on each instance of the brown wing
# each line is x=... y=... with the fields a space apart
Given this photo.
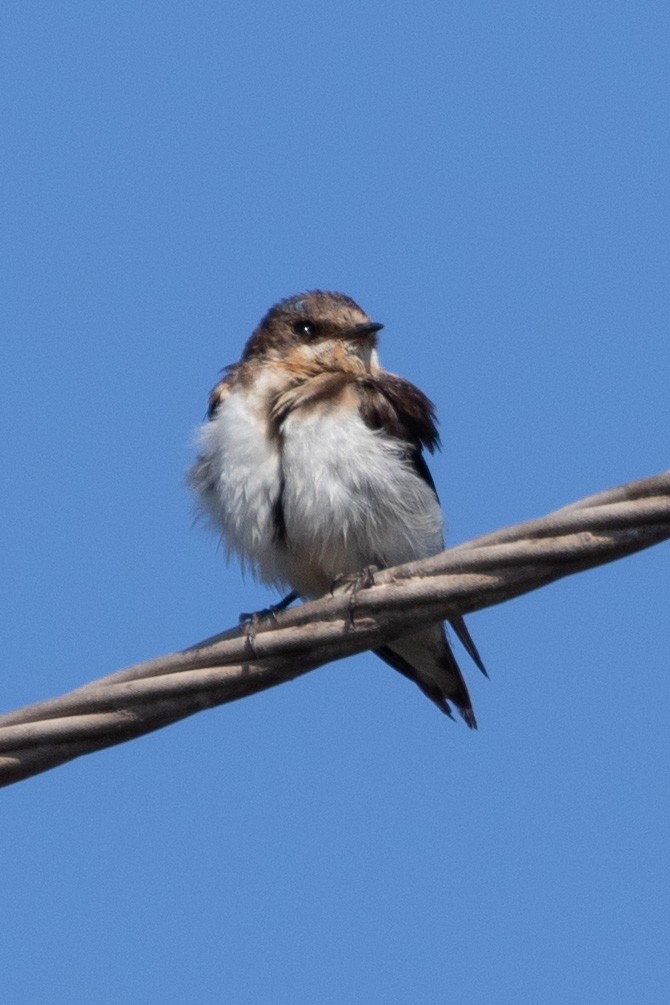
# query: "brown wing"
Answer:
x=404 y=412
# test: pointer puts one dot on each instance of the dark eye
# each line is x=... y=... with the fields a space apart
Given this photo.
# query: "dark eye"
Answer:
x=307 y=329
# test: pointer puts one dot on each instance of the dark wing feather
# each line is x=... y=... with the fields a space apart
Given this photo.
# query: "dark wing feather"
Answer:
x=404 y=412
x=466 y=640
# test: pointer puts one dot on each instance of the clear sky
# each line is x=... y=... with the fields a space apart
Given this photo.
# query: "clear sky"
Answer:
x=491 y=182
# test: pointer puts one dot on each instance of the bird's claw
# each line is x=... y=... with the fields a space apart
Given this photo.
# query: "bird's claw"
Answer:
x=254 y=617
x=249 y=621
x=352 y=583
x=268 y=612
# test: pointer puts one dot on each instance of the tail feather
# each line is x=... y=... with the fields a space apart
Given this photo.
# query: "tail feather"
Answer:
x=426 y=658
x=464 y=637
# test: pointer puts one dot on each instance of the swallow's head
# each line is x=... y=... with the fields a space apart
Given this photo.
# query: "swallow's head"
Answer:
x=316 y=331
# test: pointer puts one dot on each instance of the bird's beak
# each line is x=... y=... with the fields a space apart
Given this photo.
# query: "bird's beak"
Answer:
x=365 y=330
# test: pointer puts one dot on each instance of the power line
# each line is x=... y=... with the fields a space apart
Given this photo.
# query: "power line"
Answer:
x=243 y=661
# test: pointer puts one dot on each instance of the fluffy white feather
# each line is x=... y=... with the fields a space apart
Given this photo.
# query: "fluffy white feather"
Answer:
x=350 y=498
x=237 y=477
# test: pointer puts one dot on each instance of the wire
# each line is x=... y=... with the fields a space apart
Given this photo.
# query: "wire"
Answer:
x=269 y=651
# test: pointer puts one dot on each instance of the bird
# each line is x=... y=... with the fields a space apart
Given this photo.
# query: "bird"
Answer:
x=310 y=465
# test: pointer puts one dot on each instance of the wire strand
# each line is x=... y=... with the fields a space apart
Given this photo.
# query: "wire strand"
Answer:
x=479 y=573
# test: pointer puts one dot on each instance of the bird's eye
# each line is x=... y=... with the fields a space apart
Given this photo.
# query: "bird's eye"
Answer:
x=305 y=328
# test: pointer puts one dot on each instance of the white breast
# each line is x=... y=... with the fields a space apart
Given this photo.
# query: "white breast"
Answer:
x=349 y=496
x=237 y=478
x=350 y=499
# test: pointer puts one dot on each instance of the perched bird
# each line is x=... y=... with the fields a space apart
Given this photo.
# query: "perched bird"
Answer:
x=311 y=467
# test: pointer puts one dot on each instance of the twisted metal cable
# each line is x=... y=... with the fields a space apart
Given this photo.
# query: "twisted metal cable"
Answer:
x=240 y=662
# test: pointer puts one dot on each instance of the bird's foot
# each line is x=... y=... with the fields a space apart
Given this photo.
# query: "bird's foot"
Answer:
x=249 y=622
x=352 y=583
x=268 y=612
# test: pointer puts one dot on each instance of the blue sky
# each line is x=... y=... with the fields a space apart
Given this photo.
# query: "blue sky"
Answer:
x=491 y=182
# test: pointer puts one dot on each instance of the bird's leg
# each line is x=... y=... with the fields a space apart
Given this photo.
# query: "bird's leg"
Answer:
x=250 y=621
x=269 y=612
x=352 y=583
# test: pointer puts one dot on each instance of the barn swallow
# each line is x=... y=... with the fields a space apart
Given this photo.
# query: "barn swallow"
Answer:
x=311 y=467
